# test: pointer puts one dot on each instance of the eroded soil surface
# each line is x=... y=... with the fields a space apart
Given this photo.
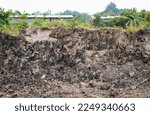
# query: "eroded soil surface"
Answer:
x=58 y=62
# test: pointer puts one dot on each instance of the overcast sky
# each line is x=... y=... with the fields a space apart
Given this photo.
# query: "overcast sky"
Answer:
x=88 y=6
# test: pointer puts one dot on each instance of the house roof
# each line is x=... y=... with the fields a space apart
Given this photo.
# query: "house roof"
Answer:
x=46 y=16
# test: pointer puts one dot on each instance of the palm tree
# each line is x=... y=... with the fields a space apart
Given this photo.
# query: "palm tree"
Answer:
x=134 y=19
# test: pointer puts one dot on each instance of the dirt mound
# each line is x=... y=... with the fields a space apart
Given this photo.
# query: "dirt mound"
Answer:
x=59 y=62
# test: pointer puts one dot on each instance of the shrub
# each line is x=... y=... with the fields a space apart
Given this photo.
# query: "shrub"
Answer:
x=97 y=21
x=54 y=24
x=4 y=16
x=38 y=22
x=119 y=22
x=12 y=30
x=147 y=17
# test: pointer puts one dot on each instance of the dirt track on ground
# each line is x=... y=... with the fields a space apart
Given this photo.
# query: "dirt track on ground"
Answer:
x=58 y=62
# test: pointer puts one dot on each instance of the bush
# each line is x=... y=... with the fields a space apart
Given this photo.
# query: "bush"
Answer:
x=119 y=21
x=147 y=17
x=38 y=22
x=10 y=29
x=72 y=23
x=97 y=21
x=132 y=29
x=54 y=24
x=4 y=16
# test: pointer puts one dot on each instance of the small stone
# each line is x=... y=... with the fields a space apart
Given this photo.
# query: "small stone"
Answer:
x=121 y=74
x=105 y=86
x=132 y=74
x=98 y=71
x=43 y=76
x=83 y=84
x=133 y=87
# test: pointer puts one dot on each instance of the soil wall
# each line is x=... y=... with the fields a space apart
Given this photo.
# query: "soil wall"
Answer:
x=59 y=62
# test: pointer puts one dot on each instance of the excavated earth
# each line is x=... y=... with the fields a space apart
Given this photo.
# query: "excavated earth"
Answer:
x=59 y=62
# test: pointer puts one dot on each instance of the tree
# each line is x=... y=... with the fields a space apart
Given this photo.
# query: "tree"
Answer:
x=110 y=10
x=48 y=12
x=37 y=13
x=80 y=17
x=68 y=12
x=129 y=12
x=16 y=13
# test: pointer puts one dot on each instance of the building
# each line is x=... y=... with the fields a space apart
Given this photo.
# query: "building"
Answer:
x=108 y=17
x=49 y=17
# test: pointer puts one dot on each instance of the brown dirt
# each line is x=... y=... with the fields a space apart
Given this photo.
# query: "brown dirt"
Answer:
x=58 y=62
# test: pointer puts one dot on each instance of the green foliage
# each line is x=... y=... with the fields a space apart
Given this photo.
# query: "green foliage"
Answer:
x=129 y=19
x=16 y=13
x=134 y=18
x=23 y=15
x=23 y=22
x=68 y=12
x=111 y=10
x=132 y=29
x=8 y=25
x=118 y=21
x=145 y=25
x=4 y=16
x=147 y=16
x=38 y=22
x=54 y=24
x=37 y=13
x=80 y=17
x=129 y=12
x=48 y=12
x=97 y=21
x=12 y=30
x=72 y=23
x=87 y=25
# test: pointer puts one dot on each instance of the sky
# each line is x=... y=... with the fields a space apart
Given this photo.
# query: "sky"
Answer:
x=86 y=6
